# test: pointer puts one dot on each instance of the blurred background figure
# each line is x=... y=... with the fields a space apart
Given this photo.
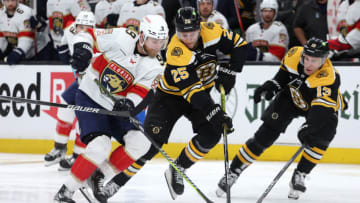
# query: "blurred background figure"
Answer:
x=209 y=14
x=107 y=13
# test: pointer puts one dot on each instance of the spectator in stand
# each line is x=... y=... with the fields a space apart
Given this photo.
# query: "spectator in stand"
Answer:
x=286 y=15
x=208 y=14
x=17 y=39
x=267 y=40
x=311 y=21
x=107 y=13
x=131 y=13
x=61 y=14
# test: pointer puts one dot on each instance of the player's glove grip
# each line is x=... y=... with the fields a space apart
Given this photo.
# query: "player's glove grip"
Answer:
x=219 y=118
x=124 y=105
x=81 y=57
x=270 y=88
x=227 y=78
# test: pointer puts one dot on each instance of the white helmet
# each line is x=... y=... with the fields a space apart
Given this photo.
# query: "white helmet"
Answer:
x=154 y=26
x=85 y=18
x=272 y=4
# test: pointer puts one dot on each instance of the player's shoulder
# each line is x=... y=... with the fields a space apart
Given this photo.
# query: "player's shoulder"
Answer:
x=23 y=10
x=325 y=76
x=178 y=54
x=292 y=58
x=210 y=32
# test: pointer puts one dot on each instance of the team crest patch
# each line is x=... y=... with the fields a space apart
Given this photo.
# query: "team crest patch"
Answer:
x=292 y=51
x=177 y=51
x=282 y=38
x=209 y=25
x=58 y=23
x=115 y=78
x=322 y=74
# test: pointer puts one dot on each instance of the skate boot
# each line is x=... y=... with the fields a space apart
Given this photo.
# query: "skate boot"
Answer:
x=64 y=195
x=174 y=181
x=66 y=164
x=54 y=156
x=111 y=188
x=222 y=183
x=96 y=183
x=297 y=184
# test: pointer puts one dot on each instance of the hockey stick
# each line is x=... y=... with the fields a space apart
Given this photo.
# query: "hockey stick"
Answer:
x=278 y=176
x=226 y=154
x=86 y=194
x=239 y=17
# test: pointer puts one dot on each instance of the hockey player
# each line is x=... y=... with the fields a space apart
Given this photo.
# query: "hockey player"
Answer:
x=61 y=14
x=116 y=80
x=66 y=117
x=107 y=13
x=132 y=12
x=209 y=14
x=268 y=40
x=349 y=38
x=306 y=85
x=17 y=38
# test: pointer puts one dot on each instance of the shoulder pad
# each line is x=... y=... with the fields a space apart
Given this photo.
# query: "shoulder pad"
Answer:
x=210 y=33
x=178 y=54
x=292 y=59
x=323 y=77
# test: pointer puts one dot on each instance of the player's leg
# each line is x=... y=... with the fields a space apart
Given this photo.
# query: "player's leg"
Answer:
x=311 y=156
x=96 y=133
x=276 y=118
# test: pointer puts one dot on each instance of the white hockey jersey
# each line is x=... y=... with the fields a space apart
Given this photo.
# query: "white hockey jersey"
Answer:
x=16 y=31
x=61 y=13
x=131 y=14
x=104 y=8
x=218 y=18
x=119 y=69
x=273 y=42
x=353 y=23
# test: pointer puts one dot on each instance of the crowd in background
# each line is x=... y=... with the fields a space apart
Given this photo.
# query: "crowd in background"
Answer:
x=33 y=29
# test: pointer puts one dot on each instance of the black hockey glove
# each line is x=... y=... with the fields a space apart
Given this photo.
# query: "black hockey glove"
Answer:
x=227 y=78
x=64 y=53
x=81 y=57
x=219 y=118
x=270 y=88
x=38 y=22
x=123 y=105
x=254 y=53
x=112 y=19
x=305 y=134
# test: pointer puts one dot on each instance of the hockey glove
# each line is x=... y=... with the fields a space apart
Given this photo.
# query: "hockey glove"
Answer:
x=305 y=134
x=270 y=88
x=64 y=54
x=253 y=53
x=15 y=56
x=216 y=116
x=227 y=78
x=123 y=105
x=112 y=19
x=81 y=57
x=337 y=44
x=38 y=22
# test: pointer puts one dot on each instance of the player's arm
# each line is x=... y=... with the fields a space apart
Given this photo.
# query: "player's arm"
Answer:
x=3 y=45
x=278 y=46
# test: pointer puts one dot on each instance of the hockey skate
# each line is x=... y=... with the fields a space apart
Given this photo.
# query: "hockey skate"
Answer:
x=54 y=156
x=174 y=181
x=111 y=188
x=222 y=183
x=297 y=185
x=96 y=183
x=64 y=195
x=66 y=164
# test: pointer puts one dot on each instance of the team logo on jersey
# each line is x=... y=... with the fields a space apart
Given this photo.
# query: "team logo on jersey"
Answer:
x=132 y=24
x=282 y=38
x=27 y=24
x=11 y=37
x=58 y=23
x=116 y=78
x=177 y=51
x=209 y=25
x=322 y=74
x=292 y=52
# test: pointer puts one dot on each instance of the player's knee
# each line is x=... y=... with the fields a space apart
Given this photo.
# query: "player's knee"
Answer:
x=157 y=130
x=136 y=144
x=98 y=149
x=266 y=135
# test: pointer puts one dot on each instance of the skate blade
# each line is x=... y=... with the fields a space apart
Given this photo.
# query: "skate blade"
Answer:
x=294 y=194
x=84 y=191
x=50 y=163
x=63 y=169
x=167 y=178
x=219 y=192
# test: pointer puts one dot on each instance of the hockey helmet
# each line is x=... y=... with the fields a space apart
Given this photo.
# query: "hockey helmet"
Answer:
x=187 y=19
x=154 y=26
x=272 y=4
x=316 y=47
x=85 y=18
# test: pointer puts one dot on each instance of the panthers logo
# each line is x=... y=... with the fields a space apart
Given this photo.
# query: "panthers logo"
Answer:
x=115 y=78
x=177 y=51
x=58 y=23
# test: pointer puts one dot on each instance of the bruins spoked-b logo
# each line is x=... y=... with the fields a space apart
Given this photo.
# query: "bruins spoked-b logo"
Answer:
x=115 y=78
x=177 y=51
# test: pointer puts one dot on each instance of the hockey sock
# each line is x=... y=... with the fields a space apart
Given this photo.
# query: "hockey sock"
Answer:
x=82 y=168
x=243 y=158
x=123 y=177
x=309 y=159
x=192 y=153
x=79 y=147
x=63 y=130
x=120 y=159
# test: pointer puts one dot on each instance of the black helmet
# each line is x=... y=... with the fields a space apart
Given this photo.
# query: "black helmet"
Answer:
x=316 y=47
x=187 y=19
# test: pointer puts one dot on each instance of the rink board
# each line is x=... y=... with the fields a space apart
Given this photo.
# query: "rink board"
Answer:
x=30 y=128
